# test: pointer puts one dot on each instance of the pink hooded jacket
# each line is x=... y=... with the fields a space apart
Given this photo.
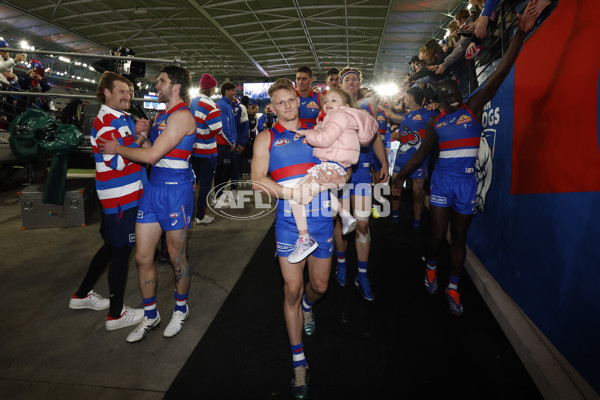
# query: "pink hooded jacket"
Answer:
x=339 y=137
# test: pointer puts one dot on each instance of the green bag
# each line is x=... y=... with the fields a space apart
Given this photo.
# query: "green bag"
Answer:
x=35 y=132
x=65 y=139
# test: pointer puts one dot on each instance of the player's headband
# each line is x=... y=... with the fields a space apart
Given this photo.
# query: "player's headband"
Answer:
x=350 y=72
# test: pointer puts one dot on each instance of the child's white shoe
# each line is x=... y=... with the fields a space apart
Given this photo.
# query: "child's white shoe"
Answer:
x=302 y=249
x=348 y=222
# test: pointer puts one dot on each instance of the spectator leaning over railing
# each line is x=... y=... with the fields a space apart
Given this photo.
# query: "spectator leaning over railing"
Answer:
x=433 y=55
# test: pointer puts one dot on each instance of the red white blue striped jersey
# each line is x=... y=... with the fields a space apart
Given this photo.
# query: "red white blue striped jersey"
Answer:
x=384 y=128
x=174 y=167
x=309 y=108
x=381 y=121
x=458 y=135
x=119 y=182
x=208 y=125
x=412 y=132
x=364 y=105
x=289 y=160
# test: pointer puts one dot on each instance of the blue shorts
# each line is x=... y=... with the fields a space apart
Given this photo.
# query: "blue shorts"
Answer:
x=419 y=173
x=375 y=164
x=171 y=205
x=118 y=230
x=457 y=192
x=321 y=229
x=360 y=182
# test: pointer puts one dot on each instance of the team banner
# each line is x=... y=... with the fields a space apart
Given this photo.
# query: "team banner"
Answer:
x=540 y=230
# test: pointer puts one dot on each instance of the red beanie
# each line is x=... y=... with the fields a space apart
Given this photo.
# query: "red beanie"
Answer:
x=207 y=82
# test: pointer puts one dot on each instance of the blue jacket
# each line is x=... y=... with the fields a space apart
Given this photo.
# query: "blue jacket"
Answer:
x=227 y=119
x=241 y=123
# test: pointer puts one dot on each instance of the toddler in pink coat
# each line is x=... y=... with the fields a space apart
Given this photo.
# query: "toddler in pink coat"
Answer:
x=336 y=143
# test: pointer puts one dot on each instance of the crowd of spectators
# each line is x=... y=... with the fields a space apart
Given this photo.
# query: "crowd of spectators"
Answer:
x=473 y=46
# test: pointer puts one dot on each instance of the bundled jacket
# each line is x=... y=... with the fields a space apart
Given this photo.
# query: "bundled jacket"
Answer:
x=229 y=131
x=240 y=113
x=339 y=137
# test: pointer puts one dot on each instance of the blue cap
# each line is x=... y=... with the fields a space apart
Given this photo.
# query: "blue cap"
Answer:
x=4 y=44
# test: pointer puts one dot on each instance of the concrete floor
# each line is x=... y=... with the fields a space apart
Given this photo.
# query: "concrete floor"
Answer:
x=50 y=351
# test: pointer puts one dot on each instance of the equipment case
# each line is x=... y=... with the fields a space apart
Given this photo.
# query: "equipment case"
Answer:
x=80 y=197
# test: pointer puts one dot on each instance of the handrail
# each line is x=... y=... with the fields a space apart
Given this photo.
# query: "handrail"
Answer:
x=103 y=56
x=66 y=95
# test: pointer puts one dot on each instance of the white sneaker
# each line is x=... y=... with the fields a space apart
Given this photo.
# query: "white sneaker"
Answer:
x=129 y=316
x=92 y=301
x=177 y=321
x=348 y=223
x=204 y=221
x=143 y=327
x=302 y=249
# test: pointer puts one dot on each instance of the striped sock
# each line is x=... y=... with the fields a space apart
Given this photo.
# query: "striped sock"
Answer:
x=306 y=305
x=362 y=269
x=453 y=285
x=431 y=269
x=298 y=355
x=181 y=302
x=150 y=307
x=396 y=216
x=341 y=256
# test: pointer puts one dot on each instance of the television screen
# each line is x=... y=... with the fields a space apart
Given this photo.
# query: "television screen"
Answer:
x=153 y=105
x=258 y=90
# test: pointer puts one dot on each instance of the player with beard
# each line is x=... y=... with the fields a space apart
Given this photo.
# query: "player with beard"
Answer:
x=168 y=200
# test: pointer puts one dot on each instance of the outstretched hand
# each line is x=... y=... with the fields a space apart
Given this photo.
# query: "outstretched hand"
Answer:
x=481 y=26
x=438 y=69
x=530 y=14
x=539 y=5
x=433 y=106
